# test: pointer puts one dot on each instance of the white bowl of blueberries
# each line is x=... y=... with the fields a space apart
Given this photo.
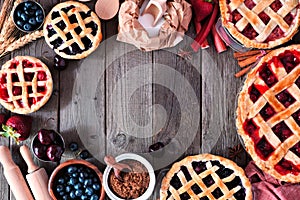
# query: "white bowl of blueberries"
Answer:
x=76 y=179
x=28 y=16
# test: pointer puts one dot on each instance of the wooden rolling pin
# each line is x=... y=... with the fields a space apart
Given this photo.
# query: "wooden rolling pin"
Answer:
x=14 y=176
x=37 y=178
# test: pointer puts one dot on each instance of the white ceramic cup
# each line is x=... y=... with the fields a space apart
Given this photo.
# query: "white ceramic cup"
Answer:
x=130 y=156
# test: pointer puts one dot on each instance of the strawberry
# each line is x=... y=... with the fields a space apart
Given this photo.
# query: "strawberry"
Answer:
x=18 y=127
x=202 y=9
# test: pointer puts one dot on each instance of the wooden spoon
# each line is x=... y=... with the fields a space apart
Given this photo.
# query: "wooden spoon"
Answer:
x=107 y=9
x=118 y=167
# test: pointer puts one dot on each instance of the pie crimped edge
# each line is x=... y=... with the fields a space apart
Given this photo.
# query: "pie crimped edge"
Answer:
x=244 y=103
x=238 y=171
x=225 y=14
x=49 y=85
x=78 y=7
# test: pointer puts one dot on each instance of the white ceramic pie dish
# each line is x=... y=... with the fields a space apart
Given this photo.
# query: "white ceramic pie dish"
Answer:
x=130 y=156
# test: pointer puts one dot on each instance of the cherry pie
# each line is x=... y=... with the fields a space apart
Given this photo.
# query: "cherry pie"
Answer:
x=72 y=30
x=261 y=23
x=25 y=84
x=205 y=177
x=268 y=113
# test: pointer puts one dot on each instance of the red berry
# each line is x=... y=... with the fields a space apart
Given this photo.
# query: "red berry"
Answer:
x=54 y=152
x=46 y=137
x=41 y=76
x=17 y=91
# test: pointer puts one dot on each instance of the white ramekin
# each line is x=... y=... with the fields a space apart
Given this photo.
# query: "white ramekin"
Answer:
x=130 y=156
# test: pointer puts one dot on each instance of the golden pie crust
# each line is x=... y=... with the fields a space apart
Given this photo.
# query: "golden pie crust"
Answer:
x=197 y=179
x=247 y=110
x=263 y=30
x=7 y=85
x=70 y=28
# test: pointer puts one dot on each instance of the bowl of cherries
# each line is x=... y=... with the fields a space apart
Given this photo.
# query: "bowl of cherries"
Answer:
x=48 y=145
x=76 y=179
x=28 y=16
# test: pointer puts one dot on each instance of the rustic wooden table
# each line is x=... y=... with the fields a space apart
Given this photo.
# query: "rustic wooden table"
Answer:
x=95 y=101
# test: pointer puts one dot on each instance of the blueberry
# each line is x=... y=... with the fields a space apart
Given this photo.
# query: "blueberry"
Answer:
x=83 y=175
x=65 y=197
x=32 y=21
x=19 y=12
x=29 y=12
x=61 y=181
x=78 y=193
x=72 y=169
x=77 y=186
x=89 y=191
x=39 y=18
x=94 y=197
x=84 y=154
x=68 y=188
x=73 y=181
x=20 y=23
x=88 y=182
x=38 y=12
x=27 y=27
x=24 y=17
x=72 y=194
x=59 y=188
x=95 y=180
x=83 y=197
x=73 y=146
x=62 y=193
x=75 y=174
x=28 y=4
x=81 y=180
x=96 y=186
x=34 y=7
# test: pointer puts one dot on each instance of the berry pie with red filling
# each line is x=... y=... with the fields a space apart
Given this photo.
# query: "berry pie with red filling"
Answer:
x=205 y=177
x=268 y=113
x=25 y=84
x=72 y=30
x=260 y=23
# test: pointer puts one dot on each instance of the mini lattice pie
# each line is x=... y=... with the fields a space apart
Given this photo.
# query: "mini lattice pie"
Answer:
x=268 y=113
x=205 y=177
x=25 y=84
x=72 y=30
x=260 y=23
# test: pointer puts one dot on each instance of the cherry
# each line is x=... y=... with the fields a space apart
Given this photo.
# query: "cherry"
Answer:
x=40 y=150
x=46 y=137
x=59 y=63
x=156 y=146
x=54 y=152
x=17 y=91
x=41 y=76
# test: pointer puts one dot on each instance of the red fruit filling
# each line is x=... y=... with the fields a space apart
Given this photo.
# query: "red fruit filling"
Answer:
x=28 y=76
x=254 y=93
x=298 y=82
x=282 y=131
x=267 y=75
x=276 y=5
x=3 y=78
x=285 y=98
x=42 y=76
x=251 y=129
x=296 y=117
x=249 y=4
x=264 y=148
x=13 y=64
x=267 y=112
x=3 y=93
x=41 y=89
x=20 y=103
x=264 y=17
x=276 y=33
x=289 y=60
x=27 y=64
x=236 y=16
x=15 y=77
x=17 y=90
x=285 y=167
x=31 y=101
x=29 y=89
x=249 y=32
x=296 y=149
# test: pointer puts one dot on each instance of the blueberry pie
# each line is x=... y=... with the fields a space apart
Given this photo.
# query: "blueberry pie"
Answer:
x=72 y=30
x=25 y=84
x=260 y=23
x=205 y=177
x=268 y=113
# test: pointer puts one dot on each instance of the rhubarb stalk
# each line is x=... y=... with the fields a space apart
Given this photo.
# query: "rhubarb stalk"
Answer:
x=219 y=44
x=201 y=36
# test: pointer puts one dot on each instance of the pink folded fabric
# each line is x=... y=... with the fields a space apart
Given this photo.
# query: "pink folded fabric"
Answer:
x=265 y=187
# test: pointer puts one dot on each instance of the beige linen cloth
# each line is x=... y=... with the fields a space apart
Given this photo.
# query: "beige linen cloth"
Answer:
x=177 y=19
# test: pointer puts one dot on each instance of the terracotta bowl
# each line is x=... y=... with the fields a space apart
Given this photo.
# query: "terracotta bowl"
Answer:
x=62 y=167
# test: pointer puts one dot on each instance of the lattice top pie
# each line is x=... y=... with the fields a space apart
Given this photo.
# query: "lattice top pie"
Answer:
x=25 y=84
x=261 y=23
x=268 y=113
x=205 y=177
x=72 y=30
